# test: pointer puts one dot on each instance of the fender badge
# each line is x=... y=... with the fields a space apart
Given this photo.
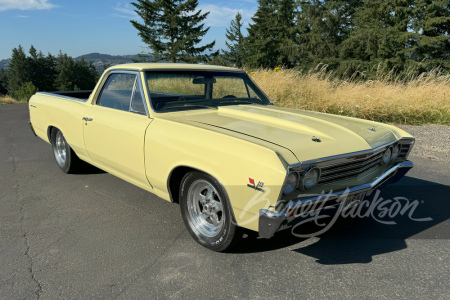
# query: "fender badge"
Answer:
x=257 y=187
x=316 y=139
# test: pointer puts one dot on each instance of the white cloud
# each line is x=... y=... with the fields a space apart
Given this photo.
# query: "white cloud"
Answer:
x=125 y=10
x=25 y=4
x=221 y=16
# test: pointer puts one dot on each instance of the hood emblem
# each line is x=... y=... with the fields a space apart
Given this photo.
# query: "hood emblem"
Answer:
x=316 y=139
x=372 y=129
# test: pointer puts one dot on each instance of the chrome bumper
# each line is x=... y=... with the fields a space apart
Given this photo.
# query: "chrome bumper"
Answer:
x=273 y=221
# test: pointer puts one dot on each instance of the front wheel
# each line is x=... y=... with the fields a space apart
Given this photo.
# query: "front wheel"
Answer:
x=207 y=213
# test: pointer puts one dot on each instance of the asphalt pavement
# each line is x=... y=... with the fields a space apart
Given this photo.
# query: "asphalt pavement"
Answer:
x=94 y=236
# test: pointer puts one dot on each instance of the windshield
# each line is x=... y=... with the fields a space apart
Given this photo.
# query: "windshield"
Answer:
x=181 y=90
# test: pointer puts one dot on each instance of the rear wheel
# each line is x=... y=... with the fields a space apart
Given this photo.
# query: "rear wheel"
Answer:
x=207 y=213
x=65 y=158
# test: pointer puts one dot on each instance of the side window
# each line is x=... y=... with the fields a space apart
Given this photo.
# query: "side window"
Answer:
x=137 y=102
x=117 y=91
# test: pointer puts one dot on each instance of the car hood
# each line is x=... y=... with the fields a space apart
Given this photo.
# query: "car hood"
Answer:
x=296 y=130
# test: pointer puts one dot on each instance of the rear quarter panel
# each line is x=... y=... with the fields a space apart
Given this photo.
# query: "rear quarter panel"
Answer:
x=65 y=114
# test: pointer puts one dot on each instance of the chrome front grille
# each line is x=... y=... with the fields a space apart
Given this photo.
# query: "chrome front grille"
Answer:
x=349 y=169
x=352 y=165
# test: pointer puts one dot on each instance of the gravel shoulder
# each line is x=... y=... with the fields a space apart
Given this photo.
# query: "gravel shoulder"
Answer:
x=432 y=141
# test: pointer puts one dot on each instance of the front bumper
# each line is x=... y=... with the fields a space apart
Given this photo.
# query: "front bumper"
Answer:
x=273 y=221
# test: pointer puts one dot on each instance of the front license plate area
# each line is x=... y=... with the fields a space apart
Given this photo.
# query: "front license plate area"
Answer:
x=353 y=199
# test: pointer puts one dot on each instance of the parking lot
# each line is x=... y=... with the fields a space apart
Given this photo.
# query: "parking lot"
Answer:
x=94 y=236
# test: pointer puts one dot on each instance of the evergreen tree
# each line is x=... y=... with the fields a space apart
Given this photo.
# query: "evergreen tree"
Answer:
x=41 y=70
x=432 y=25
x=380 y=37
x=3 y=82
x=18 y=70
x=74 y=75
x=235 y=43
x=260 y=44
x=86 y=76
x=322 y=26
x=271 y=35
x=172 y=29
x=286 y=32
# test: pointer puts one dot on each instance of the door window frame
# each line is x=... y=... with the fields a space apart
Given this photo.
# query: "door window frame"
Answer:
x=138 y=80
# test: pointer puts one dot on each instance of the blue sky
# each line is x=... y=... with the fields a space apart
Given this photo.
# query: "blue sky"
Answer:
x=82 y=26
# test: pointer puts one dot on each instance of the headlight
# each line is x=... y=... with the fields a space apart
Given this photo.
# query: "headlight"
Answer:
x=310 y=179
x=290 y=184
x=386 y=158
x=395 y=152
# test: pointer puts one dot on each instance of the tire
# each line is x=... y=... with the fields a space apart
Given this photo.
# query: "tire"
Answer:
x=207 y=212
x=65 y=157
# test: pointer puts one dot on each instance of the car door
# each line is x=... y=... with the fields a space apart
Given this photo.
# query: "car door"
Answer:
x=115 y=125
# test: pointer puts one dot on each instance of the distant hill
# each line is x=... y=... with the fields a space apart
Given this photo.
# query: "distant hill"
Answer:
x=100 y=61
x=4 y=63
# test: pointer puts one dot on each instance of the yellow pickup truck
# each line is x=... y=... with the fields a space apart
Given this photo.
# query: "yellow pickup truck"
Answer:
x=208 y=138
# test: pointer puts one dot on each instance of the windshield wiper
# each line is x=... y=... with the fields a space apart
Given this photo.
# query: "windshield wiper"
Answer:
x=189 y=106
x=236 y=102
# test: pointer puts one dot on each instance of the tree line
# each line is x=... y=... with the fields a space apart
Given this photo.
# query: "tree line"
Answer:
x=34 y=72
x=346 y=36
x=368 y=36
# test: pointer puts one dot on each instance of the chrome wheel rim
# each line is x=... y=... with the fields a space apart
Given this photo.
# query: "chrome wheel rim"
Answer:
x=60 y=149
x=205 y=208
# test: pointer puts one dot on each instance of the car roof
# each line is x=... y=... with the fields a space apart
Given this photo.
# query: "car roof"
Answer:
x=170 y=66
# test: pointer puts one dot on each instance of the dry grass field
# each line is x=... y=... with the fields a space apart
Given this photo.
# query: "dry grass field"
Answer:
x=5 y=99
x=420 y=100
x=423 y=99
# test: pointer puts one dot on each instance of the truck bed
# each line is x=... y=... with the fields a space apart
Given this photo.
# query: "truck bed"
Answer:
x=82 y=95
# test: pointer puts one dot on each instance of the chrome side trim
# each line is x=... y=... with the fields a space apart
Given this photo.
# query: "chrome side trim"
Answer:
x=62 y=96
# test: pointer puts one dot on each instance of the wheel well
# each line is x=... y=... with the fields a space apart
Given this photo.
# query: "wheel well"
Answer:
x=49 y=132
x=173 y=184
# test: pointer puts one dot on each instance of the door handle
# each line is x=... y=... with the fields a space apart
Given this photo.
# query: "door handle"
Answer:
x=86 y=119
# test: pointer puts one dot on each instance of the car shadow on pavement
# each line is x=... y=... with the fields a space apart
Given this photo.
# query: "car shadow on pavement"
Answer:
x=357 y=240
x=87 y=169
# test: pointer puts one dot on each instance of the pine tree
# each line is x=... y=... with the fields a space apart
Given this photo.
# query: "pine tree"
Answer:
x=286 y=32
x=259 y=46
x=432 y=25
x=74 y=75
x=322 y=27
x=18 y=73
x=380 y=37
x=41 y=70
x=270 y=37
x=235 y=43
x=3 y=82
x=86 y=76
x=172 y=29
